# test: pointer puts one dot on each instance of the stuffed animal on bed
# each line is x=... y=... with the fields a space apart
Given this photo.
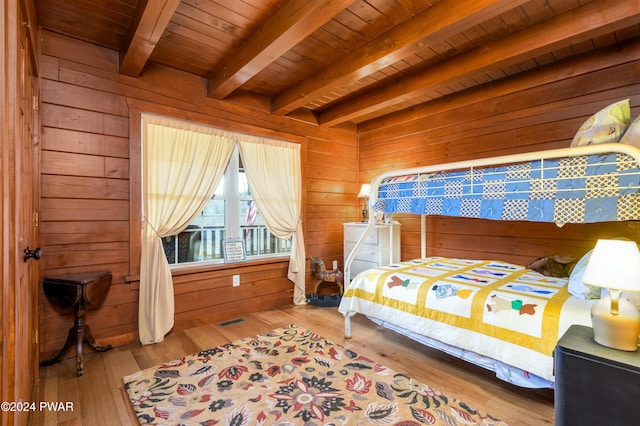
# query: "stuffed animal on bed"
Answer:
x=559 y=265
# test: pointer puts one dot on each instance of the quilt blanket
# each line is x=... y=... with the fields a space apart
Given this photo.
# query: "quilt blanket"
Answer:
x=497 y=309
x=583 y=189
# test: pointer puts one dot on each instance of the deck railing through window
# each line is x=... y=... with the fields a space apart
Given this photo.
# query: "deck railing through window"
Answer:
x=204 y=244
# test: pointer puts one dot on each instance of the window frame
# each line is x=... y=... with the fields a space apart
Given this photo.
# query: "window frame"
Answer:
x=137 y=108
x=233 y=225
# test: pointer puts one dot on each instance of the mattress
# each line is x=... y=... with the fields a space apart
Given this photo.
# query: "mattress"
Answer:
x=494 y=309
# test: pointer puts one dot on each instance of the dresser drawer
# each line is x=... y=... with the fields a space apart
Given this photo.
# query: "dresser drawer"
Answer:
x=353 y=233
x=360 y=265
x=381 y=247
x=368 y=252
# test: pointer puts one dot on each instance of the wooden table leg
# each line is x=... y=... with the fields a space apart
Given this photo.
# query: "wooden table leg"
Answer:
x=71 y=337
x=91 y=341
x=77 y=335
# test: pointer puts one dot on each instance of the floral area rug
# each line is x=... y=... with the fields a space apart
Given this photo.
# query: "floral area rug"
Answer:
x=289 y=376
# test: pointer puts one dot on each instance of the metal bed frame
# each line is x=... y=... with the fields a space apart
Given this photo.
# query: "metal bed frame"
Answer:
x=470 y=165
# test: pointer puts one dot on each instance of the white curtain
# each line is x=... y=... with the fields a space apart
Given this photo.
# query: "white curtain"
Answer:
x=182 y=166
x=274 y=175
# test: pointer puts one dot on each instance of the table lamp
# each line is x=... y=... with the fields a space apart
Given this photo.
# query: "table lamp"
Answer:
x=615 y=265
x=364 y=193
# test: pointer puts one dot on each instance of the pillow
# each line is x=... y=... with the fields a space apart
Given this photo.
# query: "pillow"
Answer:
x=632 y=135
x=576 y=287
x=606 y=126
x=585 y=291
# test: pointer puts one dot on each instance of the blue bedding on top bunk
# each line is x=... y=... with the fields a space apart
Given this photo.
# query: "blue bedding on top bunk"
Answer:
x=583 y=189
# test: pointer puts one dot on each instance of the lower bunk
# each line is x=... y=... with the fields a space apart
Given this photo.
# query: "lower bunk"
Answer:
x=501 y=316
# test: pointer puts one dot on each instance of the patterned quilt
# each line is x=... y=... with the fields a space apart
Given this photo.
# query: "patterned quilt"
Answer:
x=496 y=309
x=583 y=189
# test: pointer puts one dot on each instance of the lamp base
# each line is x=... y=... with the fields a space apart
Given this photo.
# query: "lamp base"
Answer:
x=617 y=331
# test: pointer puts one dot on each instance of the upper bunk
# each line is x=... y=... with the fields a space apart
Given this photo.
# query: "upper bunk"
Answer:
x=586 y=184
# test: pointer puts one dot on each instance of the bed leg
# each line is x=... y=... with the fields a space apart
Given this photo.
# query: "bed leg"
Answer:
x=347 y=324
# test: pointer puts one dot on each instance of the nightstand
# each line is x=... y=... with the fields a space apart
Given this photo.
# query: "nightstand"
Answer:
x=595 y=385
x=382 y=246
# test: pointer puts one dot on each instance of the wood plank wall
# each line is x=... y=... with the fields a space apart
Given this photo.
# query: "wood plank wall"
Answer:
x=539 y=110
x=85 y=190
x=85 y=173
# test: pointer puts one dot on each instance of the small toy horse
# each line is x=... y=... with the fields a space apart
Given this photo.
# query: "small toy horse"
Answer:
x=322 y=275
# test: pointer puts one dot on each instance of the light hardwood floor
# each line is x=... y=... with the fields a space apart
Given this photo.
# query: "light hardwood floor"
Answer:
x=99 y=397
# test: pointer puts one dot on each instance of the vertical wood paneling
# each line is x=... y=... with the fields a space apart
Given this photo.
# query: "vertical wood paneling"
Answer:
x=85 y=190
x=522 y=114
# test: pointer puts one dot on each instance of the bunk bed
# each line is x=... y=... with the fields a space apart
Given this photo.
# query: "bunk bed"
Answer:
x=498 y=315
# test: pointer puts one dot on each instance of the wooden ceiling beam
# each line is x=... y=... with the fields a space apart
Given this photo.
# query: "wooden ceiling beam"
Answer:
x=436 y=23
x=286 y=28
x=584 y=23
x=148 y=25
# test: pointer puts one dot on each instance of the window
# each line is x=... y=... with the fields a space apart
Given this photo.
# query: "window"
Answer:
x=230 y=214
x=172 y=177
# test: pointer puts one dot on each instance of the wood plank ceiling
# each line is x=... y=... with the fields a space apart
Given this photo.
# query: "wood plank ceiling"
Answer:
x=332 y=62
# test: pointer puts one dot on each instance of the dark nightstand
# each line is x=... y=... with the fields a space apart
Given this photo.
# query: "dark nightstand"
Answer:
x=595 y=385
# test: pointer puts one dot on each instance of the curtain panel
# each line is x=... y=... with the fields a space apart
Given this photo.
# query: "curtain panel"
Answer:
x=274 y=174
x=182 y=166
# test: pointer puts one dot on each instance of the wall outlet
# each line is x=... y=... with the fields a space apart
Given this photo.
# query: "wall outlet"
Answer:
x=335 y=264
x=236 y=280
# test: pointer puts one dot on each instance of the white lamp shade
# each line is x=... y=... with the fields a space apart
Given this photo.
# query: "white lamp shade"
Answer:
x=365 y=191
x=614 y=264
